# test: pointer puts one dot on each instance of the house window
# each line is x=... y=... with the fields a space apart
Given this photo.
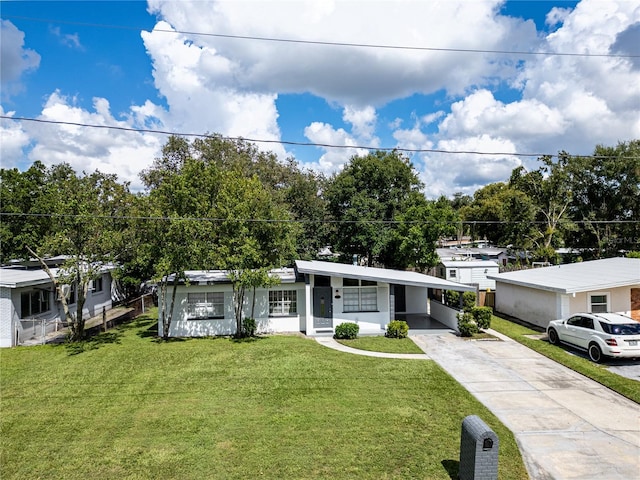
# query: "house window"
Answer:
x=98 y=285
x=34 y=302
x=205 y=305
x=452 y=274
x=360 y=295
x=283 y=302
x=599 y=302
x=73 y=293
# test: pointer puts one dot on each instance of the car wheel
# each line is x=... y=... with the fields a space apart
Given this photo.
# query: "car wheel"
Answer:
x=595 y=354
x=553 y=337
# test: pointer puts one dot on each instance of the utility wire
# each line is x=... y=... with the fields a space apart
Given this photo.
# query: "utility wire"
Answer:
x=299 y=144
x=327 y=43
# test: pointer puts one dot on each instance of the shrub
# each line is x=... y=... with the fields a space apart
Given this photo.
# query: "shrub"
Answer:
x=482 y=316
x=397 y=329
x=468 y=301
x=466 y=325
x=248 y=327
x=347 y=331
x=452 y=298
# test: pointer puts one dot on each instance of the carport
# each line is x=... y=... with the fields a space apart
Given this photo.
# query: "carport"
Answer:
x=383 y=295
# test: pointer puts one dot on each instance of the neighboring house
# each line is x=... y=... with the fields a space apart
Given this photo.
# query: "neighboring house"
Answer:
x=29 y=306
x=543 y=294
x=498 y=255
x=469 y=272
x=314 y=297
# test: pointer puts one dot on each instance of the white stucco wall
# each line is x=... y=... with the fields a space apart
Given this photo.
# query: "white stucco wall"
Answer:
x=416 y=299
x=539 y=307
x=445 y=315
x=369 y=322
x=534 y=306
x=183 y=327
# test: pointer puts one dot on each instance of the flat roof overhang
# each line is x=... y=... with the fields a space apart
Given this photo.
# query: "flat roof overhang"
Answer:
x=398 y=277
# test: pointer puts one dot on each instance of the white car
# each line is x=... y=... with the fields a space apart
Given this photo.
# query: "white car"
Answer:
x=601 y=335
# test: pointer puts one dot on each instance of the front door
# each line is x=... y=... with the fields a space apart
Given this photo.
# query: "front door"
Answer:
x=322 y=307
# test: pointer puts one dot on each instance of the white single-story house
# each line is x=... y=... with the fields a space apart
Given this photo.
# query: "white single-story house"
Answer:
x=543 y=294
x=314 y=297
x=470 y=272
x=29 y=307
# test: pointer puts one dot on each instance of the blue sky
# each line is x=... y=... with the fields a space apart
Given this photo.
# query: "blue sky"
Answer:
x=130 y=64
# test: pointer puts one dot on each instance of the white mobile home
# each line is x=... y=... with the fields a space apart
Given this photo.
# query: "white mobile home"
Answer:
x=29 y=307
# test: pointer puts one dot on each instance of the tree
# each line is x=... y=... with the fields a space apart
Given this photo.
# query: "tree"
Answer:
x=255 y=234
x=212 y=215
x=605 y=191
x=419 y=229
x=88 y=211
x=549 y=188
x=365 y=198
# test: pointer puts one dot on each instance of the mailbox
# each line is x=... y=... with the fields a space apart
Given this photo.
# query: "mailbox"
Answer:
x=478 y=450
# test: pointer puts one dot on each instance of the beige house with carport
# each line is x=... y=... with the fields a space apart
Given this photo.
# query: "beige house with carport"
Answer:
x=540 y=295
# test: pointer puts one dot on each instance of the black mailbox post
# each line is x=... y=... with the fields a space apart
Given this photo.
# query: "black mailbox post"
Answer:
x=478 y=450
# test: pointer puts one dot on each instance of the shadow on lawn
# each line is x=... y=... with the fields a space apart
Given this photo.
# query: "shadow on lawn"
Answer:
x=452 y=467
x=93 y=343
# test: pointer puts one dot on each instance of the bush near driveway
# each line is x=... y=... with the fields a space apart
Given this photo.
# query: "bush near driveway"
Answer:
x=275 y=407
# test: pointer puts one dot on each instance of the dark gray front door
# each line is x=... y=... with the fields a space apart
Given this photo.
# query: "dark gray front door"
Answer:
x=322 y=307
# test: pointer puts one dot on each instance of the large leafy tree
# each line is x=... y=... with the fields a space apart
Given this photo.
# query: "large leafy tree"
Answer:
x=605 y=191
x=88 y=215
x=211 y=213
x=365 y=199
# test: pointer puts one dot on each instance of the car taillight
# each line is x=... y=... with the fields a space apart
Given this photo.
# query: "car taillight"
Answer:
x=611 y=342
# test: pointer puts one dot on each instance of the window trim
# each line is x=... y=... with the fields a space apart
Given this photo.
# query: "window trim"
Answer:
x=283 y=301
x=46 y=302
x=209 y=305
x=347 y=290
x=590 y=303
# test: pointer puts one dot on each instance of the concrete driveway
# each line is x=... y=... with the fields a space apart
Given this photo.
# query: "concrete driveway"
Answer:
x=566 y=425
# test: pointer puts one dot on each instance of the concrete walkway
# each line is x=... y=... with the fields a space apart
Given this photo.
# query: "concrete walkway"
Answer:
x=331 y=343
x=566 y=425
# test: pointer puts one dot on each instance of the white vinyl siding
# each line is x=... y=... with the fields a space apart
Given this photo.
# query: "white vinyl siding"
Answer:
x=205 y=305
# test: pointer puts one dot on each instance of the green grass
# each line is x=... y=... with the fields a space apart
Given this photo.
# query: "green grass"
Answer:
x=383 y=344
x=128 y=406
x=561 y=354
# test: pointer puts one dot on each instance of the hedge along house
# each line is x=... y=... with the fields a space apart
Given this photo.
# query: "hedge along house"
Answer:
x=30 y=308
x=543 y=294
x=314 y=297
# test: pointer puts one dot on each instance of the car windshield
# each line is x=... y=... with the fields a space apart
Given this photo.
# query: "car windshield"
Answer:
x=621 y=329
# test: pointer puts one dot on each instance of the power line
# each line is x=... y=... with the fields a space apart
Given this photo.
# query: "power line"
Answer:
x=327 y=43
x=303 y=221
x=293 y=143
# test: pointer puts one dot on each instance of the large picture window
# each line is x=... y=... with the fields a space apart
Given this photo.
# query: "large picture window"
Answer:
x=283 y=302
x=599 y=302
x=205 y=305
x=360 y=295
x=34 y=303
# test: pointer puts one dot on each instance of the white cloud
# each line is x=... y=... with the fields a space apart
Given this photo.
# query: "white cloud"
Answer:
x=71 y=40
x=356 y=76
x=14 y=141
x=15 y=59
x=202 y=93
x=124 y=153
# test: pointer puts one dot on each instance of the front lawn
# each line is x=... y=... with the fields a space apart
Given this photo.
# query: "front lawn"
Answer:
x=624 y=386
x=382 y=344
x=129 y=406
